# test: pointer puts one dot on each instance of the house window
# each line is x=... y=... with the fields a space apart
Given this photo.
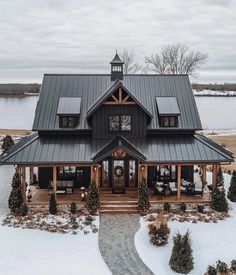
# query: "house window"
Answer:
x=114 y=123
x=68 y=121
x=120 y=123
x=169 y=121
x=125 y=123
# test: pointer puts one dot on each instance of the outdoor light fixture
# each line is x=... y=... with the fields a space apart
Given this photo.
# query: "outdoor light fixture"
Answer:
x=95 y=168
x=142 y=168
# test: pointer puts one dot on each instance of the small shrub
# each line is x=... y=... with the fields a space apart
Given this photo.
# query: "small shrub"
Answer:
x=181 y=260
x=159 y=234
x=211 y=270
x=167 y=207
x=23 y=209
x=74 y=222
x=73 y=208
x=88 y=220
x=221 y=267
x=233 y=265
x=200 y=208
x=53 y=204
x=183 y=207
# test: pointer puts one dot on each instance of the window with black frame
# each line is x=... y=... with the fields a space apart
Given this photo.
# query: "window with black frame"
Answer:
x=120 y=123
x=169 y=121
x=68 y=121
x=166 y=173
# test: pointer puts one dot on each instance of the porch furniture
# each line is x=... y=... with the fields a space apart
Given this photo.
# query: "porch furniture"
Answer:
x=173 y=188
x=198 y=188
x=63 y=186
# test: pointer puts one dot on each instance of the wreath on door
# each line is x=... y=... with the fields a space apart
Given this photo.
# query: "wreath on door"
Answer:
x=119 y=171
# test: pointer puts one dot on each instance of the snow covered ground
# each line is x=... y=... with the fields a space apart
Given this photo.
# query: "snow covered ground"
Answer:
x=35 y=252
x=214 y=93
x=210 y=242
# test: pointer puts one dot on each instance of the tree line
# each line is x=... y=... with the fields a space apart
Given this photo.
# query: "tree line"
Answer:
x=19 y=89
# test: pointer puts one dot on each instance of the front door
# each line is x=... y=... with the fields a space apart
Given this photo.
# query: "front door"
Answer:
x=118 y=168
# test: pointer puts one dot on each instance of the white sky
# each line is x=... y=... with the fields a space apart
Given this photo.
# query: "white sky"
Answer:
x=74 y=36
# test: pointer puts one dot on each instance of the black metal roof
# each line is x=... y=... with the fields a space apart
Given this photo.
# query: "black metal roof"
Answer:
x=145 y=88
x=167 y=105
x=77 y=149
x=118 y=142
x=69 y=106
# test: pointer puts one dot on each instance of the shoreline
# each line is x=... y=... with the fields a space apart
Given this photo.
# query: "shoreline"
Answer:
x=18 y=95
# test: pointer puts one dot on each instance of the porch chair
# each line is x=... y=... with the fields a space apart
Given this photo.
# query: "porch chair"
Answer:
x=173 y=188
x=198 y=188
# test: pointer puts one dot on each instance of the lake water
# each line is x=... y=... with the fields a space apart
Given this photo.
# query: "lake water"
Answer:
x=215 y=112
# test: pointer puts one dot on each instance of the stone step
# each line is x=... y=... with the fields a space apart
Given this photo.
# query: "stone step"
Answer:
x=118 y=212
x=118 y=202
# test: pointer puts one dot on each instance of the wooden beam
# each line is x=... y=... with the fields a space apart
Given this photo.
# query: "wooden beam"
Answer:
x=116 y=100
x=204 y=170
x=179 y=182
x=120 y=94
x=55 y=179
x=126 y=98
x=31 y=172
x=23 y=183
x=145 y=172
x=120 y=103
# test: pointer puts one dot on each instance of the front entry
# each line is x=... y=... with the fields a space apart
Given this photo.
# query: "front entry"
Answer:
x=118 y=173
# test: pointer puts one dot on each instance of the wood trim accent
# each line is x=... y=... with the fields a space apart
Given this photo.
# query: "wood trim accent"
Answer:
x=145 y=172
x=204 y=170
x=55 y=179
x=23 y=183
x=179 y=182
x=120 y=103
x=116 y=100
x=126 y=98
x=31 y=172
x=120 y=94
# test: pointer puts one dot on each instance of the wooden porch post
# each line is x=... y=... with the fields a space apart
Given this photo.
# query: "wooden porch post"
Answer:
x=145 y=172
x=55 y=180
x=99 y=175
x=23 y=183
x=179 y=182
x=204 y=172
x=215 y=170
x=31 y=174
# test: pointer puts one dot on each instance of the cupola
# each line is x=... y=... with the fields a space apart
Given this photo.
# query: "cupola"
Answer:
x=116 y=68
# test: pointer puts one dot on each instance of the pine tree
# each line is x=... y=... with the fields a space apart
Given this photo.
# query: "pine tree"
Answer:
x=219 y=201
x=181 y=260
x=93 y=198
x=15 y=199
x=143 y=198
x=53 y=204
x=7 y=143
x=232 y=188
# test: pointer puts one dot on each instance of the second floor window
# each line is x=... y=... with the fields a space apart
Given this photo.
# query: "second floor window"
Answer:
x=68 y=121
x=169 y=121
x=120 y=123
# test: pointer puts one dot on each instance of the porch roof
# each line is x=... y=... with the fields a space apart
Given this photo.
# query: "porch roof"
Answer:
x=83 y=149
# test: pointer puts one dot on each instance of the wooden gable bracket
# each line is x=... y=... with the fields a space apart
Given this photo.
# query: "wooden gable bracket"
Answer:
x=121 y=99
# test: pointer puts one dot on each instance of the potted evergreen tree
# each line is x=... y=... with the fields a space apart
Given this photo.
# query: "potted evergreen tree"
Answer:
x=232 y=188
x=219 y=201
x=181 y=260
x=143 y=197
x=15 y=199
x=93 y=198
x=7 y=143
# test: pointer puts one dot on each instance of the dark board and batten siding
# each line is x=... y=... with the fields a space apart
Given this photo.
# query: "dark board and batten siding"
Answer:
x=100 y=121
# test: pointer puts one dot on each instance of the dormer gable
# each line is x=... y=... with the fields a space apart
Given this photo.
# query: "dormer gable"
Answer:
x=116 y=94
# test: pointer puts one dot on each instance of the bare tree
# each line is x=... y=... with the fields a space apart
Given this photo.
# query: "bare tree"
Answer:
x=175 y=59
x=130 y=63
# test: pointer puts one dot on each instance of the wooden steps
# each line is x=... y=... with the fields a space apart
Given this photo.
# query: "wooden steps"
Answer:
x=118 y=203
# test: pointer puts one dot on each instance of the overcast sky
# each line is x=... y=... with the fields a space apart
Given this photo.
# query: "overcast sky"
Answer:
x=44 y=36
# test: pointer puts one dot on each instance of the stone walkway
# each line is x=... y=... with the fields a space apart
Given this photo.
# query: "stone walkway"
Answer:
x=116 y=243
